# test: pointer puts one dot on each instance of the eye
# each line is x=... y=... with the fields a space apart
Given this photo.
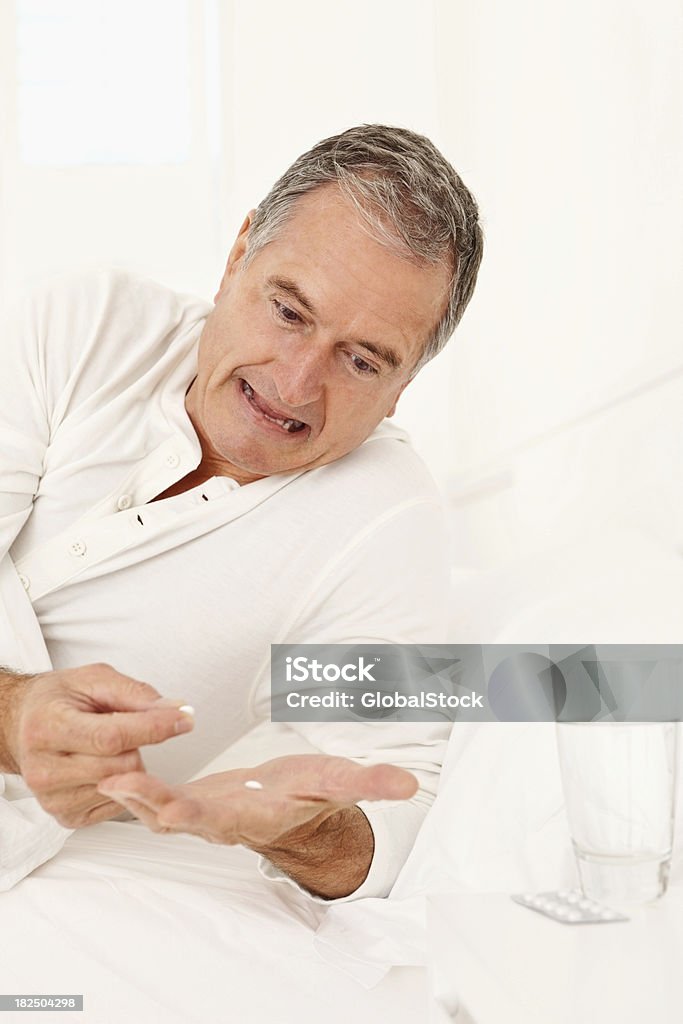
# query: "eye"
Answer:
x=362 y=367
x=284 y=313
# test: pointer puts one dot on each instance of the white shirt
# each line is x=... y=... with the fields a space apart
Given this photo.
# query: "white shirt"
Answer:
x=187 y=593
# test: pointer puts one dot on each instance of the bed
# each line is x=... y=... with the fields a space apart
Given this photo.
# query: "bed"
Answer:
x=168 y=928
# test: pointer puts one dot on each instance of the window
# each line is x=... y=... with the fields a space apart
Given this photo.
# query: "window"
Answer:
x=103 y=81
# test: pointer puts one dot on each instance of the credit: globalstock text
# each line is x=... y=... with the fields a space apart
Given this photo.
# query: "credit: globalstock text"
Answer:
x=472 y=682
x=337 y=699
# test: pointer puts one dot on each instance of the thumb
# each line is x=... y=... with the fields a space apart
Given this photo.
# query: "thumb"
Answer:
x=388 y=782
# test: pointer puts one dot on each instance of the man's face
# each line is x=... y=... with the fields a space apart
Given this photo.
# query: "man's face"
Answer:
x=309 y=346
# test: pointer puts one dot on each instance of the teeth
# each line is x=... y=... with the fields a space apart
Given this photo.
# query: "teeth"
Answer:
x=289 y=425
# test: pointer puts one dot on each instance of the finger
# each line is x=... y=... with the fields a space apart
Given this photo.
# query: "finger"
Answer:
x=47 y=774
x=377 y=782
x=151 y=792
x=110 y=734
x=388 y=782
x=113 y=691
x=81 y=807
x=105 y=811
x=141 y=812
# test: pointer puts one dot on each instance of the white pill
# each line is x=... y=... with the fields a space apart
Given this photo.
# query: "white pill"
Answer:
x=573 y=915
x=252 y=784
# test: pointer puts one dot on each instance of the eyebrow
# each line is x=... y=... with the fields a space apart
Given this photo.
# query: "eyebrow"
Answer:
x=384 y=353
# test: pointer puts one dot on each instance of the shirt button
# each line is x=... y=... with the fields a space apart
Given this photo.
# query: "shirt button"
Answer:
x=78 y=548
x=124 y=502
x=173 y=459
x=25 y=581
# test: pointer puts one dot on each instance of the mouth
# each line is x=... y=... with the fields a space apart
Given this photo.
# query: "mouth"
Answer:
x=270 y=415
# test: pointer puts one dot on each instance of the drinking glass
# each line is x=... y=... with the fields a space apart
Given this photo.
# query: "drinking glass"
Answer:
x=619 y=781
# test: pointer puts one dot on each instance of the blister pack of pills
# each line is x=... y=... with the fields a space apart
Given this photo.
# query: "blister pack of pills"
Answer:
x=569 y=906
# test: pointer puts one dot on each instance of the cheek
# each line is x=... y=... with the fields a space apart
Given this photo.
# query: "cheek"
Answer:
x=357 y=414
x=254 y=343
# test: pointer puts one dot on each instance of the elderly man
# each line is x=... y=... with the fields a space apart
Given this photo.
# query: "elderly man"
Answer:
x=183 y=484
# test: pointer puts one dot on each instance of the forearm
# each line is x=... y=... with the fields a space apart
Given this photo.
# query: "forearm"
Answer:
x=330 y=858
x=10 y=684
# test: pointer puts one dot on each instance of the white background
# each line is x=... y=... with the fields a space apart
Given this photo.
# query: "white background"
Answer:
x=138 y=134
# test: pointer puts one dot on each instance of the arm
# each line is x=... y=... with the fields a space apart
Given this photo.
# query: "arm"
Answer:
x=9 y=685
x=48 y=719
x=391 y=588
x=329 y=858
x=302 y=814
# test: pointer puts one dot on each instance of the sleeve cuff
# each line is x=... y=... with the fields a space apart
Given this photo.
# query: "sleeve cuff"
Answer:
x=394 y=826
x=28 y=835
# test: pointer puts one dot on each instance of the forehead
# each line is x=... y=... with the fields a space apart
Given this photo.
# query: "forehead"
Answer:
x=354 y=282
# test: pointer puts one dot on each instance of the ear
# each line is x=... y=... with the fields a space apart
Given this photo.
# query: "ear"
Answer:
x=238 y=250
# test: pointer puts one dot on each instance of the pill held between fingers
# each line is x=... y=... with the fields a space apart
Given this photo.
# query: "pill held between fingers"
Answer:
x=186 y=723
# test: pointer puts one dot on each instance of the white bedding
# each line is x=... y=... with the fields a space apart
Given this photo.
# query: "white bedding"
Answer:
x=167 y=928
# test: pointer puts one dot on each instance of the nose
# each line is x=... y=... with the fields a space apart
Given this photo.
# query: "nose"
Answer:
x=300 y=376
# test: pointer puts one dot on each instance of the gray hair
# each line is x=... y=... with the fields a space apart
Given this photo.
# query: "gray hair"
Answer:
x=409 y=198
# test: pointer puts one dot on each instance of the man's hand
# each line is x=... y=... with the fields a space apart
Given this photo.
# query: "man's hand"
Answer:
x=304 y=817
x=65 y=731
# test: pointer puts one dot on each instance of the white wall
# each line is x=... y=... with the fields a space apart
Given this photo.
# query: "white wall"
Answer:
x=154 y=217
x=618 y=470
x=567 y=121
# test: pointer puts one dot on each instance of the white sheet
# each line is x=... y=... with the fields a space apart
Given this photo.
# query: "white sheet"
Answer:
x=166 y=928
x=28 y=834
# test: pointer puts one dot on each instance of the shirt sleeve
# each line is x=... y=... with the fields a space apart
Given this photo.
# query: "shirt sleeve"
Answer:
x=390 y=585
x=24 y=442
x=24 y=426
x=28 y=835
